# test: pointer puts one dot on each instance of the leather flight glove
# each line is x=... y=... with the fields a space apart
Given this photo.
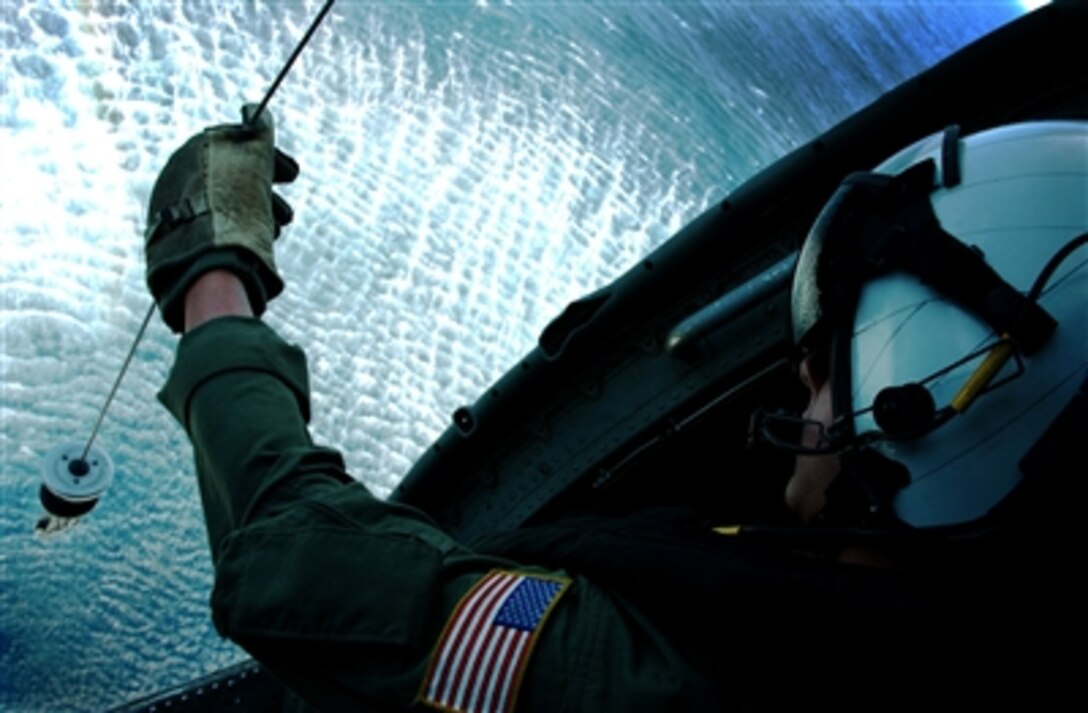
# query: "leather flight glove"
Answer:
x=212 y=207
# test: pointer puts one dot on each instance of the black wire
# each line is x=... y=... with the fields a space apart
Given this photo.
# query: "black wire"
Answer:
x=117 y=381
x=1052 y=265
x=291 y=60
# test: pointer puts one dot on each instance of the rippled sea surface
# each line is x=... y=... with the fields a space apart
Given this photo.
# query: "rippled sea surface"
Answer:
x=468 y=169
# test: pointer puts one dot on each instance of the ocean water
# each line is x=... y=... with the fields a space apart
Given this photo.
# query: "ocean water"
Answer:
x=468 y=168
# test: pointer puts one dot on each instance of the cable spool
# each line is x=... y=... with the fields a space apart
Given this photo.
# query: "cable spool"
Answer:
x=74 y=477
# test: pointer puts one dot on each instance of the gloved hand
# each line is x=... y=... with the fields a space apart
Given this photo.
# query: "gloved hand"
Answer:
x=212 y=207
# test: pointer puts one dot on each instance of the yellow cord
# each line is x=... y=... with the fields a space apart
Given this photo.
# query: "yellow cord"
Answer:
x=985 y=373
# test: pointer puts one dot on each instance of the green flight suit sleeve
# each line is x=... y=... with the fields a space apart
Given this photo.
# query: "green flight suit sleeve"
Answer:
x=344 y=596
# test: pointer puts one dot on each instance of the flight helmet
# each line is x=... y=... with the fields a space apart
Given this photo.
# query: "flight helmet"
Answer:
x=947 y=292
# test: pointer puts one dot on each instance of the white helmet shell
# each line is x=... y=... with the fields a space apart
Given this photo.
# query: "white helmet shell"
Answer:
x=1023 y=195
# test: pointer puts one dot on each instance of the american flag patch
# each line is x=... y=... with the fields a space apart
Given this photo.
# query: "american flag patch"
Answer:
x=478 y=663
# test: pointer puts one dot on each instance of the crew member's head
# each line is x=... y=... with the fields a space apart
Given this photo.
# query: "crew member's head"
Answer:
x=939 y=309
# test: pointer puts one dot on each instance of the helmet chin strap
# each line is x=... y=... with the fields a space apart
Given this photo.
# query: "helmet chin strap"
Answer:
x=861 y=495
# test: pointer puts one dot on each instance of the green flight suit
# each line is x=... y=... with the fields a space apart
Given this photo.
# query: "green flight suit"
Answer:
x=343 y=596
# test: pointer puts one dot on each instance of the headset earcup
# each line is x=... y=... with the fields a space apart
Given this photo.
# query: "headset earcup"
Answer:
x=904 y=410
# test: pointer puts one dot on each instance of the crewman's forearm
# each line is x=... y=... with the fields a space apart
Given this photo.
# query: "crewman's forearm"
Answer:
x=247 y=422
x=215 y=294
x=243 y=397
